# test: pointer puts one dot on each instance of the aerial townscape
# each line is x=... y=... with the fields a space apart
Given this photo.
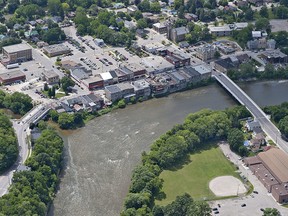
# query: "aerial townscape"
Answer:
x=144 y=107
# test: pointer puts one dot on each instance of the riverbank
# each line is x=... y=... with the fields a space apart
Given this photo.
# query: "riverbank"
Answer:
x=101 y=156
x=68 y=121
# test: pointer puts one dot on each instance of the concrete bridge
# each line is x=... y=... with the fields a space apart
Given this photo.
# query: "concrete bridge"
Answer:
x=268 y=127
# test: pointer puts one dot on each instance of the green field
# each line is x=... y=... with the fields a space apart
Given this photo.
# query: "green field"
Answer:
x=194 y=176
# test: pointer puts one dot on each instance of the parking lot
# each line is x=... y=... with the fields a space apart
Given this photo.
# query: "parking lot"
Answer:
x=253 y=202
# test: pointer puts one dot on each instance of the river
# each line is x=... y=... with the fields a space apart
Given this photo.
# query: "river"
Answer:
x=100 y=157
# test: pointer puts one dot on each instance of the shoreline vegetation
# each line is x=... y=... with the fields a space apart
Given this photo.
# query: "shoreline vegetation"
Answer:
x=77 y=120
x=32 y=191
x=172 y=149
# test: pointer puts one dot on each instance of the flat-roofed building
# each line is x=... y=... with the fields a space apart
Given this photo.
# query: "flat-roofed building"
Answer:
x=113 y=93
x=160 y=28
x=141 y=88
x=56 y=50
x=136 y=69
x=107 y=78
x=16 y=53
x=204 y=70
x=126 y=88
x=206 y=52
x=272 y=172
x=220 y=31
x=93 y=83
x=12 y=77
x=51 y=77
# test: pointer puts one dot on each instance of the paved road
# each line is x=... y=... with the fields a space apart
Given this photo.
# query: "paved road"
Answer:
x=21 y=126
x=268 y=127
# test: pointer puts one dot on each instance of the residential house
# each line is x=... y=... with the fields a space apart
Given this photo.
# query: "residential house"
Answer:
x=252 y=124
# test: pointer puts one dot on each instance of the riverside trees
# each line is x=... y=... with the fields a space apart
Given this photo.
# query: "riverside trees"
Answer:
x=32 y=191
x=8 y=143
x=167 y=151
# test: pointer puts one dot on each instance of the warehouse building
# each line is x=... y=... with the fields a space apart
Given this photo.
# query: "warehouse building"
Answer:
x=12 y=77
x=271 y=168
x=16 y=53
x=56 y=50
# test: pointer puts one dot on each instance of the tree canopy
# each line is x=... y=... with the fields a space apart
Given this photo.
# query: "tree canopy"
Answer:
x=8 y=143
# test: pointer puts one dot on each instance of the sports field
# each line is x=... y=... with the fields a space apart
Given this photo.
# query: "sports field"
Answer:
x=194 y=176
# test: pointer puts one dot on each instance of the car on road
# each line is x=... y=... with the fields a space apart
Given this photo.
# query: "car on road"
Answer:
x=25 y=69
x=243 y=205
x=219 y=205
x=256 y=192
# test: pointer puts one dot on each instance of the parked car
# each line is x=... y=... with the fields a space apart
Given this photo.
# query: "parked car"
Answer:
x=243 y=205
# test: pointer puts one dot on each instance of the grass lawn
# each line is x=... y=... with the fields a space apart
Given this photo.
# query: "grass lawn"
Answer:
x=194 y=176
x=59 y=95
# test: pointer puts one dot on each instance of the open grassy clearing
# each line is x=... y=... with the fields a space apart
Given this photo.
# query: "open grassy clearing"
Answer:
x=194 y=176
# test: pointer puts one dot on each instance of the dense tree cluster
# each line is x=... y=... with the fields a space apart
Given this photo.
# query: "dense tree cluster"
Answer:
x=104 y=26
x=17 y=102
x=279 y=114
x=68 y=120
x=8 y=143
x=32 y=191
x=167 y=151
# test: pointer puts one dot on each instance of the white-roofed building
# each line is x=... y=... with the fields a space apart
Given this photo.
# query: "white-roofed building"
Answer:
x=107 y=78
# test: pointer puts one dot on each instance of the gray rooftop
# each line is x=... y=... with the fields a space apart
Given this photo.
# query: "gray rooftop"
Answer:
x=16 y=48
x=56 y=48
x=50 y=74
x=181 y=30
x=11 y=75
x=113 y=89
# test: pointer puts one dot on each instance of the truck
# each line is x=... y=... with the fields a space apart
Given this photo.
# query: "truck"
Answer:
x=10 y=66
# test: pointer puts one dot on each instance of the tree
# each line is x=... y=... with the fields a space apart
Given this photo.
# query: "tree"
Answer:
x=66 y=120
x=55 y=8
x=141 y=23
x=18 y=102
x=121 y=104
x=49 y=93
x=264 y=12
x=262 y=24
x=54 y=115
x=249 y=14
x=155 y=7
x=66 y=83
x=3 y=29
x=235 y=139
x=144 y=6
x=54 y=35
x=217 y=55
x=53 y=91
x=46 y=87
x=271 y=212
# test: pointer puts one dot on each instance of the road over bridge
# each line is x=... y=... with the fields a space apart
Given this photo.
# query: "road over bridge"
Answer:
x=268 y=127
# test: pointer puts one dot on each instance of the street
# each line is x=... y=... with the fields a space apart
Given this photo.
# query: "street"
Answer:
x=21 y=128
x=254 y=202
x=268 y=127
